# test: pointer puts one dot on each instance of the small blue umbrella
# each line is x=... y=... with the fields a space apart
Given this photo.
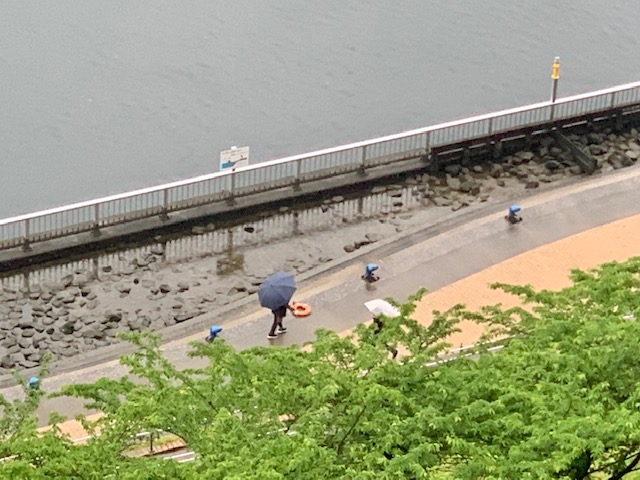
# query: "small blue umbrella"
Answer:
x=514 y=209
x=276 y=290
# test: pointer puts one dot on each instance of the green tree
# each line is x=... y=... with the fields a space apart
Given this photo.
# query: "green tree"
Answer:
x=561 y=399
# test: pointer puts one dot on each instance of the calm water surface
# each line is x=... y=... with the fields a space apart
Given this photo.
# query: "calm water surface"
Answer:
x=102 y=97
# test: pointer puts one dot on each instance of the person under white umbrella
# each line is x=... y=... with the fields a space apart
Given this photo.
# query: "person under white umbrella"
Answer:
x=381 y=307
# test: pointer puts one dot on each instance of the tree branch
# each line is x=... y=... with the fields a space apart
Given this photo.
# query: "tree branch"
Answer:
x=346 y=435
x=628 y=469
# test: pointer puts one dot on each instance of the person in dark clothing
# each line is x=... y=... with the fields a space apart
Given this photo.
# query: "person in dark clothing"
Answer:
x=379 y=324
x=278 y=316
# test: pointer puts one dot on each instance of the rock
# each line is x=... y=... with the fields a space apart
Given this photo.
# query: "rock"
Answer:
x=164 y=288
x=597 y=150
x=469 y=187
x=80 y=279
x=141 y=262
x=372 y=237
x=25 y=324
x=66 y=297
x=107 y=268
x=183 y=286
x=183 y=317
x=128 y=270
x=349 y=248
x=240 y=287
x=28 y=332
x=7 y=361
x=92 y=304
x=67 y=328
x=157 y=250
x=632 y=154
x=324 y=208
x=441 y=201
x=337 y=199
x=93 y=333
x=453 y=169
x=135 y=325
x=112 y=317
x=35 y=357
x=123 y=288
x=453 y=183
x=532 y=184
x=478 y=169
x=378 y=189
x=48 y=320
x=552 y=165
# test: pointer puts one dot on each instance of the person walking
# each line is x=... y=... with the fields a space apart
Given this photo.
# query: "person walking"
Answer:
x=213 y=333
x=369 y=276
x=377 y=320
x=278 y=316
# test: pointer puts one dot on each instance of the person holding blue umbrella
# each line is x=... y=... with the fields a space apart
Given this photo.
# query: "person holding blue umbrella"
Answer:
x=275 y=294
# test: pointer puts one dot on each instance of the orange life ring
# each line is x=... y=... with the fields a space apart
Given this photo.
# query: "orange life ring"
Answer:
x=301 y=309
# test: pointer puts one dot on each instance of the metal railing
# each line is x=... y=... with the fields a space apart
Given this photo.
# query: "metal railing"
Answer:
x=295 y=170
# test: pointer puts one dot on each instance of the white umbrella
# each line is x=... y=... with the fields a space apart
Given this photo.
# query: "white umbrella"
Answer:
x=382 y=307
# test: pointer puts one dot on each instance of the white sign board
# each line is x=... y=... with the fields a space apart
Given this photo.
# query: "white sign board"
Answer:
x=234 y=157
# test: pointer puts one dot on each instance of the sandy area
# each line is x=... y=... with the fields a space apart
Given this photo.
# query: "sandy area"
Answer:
x=546 y=267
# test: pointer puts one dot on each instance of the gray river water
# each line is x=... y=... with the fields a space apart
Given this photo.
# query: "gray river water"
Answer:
x=103 y=97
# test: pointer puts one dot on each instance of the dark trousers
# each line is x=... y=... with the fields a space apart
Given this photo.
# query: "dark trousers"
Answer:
x=277 y=322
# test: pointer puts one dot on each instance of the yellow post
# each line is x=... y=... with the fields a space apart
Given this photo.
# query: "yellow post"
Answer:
x=555 y=75
x=555 y=72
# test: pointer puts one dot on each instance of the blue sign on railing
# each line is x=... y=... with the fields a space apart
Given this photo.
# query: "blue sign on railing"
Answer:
x=234 y=157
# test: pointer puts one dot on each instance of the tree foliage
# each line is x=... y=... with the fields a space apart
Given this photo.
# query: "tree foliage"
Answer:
x=561 y=399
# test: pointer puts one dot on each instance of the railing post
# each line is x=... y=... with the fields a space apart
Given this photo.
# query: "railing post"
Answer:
x=96 y=220
x=427 y=145
x=26 y=241
x=490 y=127
x=298 y=181
x=363 y=161
x=232 y=189
x=164 y=215
x=613 y=99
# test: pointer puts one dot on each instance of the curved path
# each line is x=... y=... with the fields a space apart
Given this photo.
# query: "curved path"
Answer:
x=564 y=228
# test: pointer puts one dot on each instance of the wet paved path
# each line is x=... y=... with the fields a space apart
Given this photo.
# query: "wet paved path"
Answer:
x=436 y=262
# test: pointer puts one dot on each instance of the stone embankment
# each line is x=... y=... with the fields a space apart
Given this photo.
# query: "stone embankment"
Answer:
x=86 y=310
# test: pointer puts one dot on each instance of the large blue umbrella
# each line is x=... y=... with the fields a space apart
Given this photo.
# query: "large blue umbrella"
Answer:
x=276 y=290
